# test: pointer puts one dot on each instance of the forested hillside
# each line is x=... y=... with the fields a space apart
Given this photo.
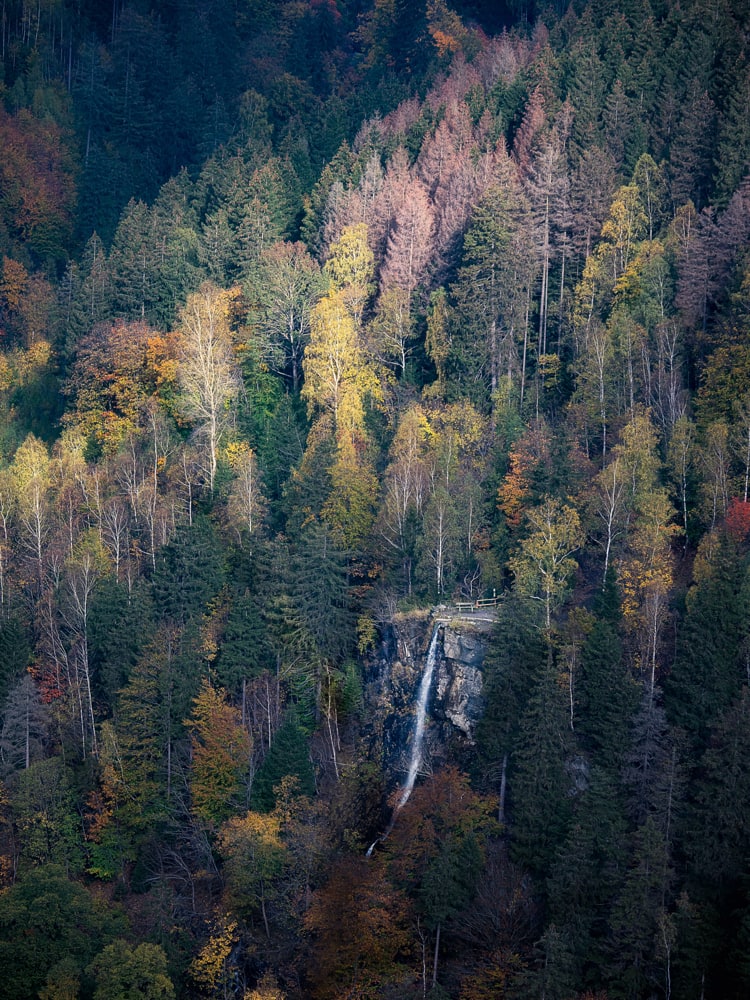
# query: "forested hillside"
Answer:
x=314 y=314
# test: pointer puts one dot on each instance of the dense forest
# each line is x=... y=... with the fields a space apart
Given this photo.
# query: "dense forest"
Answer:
x=313 y=315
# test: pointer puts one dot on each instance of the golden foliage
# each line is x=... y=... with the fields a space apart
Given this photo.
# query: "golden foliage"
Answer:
x=210 y=967
x=515 y=487
x=221 y=754
x=545 y=562
x=13 y=283
x=267 y=989
x=492 y=981
x=351 y=268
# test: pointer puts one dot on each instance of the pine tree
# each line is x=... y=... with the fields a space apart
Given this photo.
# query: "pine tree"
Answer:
x=244 y=650
x=639 y=915
x=607 y=696
x=119 y=629
x=15 y=651
x=320 y=594
x=189 y=572
x=132 y=263
x=709 y=667
x=732 y=162
x=587 y=875
x=717 y=830
x=515 y=651
x=492 y=293
x=289 y=755
x=540 y=780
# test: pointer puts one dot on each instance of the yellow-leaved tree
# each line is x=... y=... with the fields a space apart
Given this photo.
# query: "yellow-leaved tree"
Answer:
x=544 y=565
x=211 y=969
x=646 y=570
x=221 y=755
x=31 y=474
x=341 y=382
x=351 y=268
x=335 y=363
x=254 y=857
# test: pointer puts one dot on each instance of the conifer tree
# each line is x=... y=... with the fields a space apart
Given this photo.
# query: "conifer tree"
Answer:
x=709 y=667
x=189 y=572
x=289 y=755
x=540 y=782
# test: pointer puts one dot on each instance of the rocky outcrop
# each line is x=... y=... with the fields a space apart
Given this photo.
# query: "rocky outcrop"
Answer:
x=456 y=702
x=458 y=696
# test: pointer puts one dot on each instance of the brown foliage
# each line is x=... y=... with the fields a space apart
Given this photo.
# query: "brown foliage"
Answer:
x=118 y=367
x=360 y=923
x=37 y=180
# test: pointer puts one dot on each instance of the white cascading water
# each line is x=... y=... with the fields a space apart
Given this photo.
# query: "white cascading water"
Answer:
x=419 y=727
x=423 y=695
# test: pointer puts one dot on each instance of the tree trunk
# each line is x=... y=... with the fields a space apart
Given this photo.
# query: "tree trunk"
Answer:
x=503 y=788
x=435 y=957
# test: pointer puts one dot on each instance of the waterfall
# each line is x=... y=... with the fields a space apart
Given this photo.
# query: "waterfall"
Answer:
x=419 y=727
x=419 y=724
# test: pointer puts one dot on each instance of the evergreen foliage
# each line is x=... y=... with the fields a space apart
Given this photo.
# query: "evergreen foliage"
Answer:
x=312 y=315
x=288 y=756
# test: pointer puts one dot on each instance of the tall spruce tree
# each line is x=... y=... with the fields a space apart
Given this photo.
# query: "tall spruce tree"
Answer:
x=709 y=668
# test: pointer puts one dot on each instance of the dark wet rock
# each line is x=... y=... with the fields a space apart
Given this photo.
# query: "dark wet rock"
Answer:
x=392 y=680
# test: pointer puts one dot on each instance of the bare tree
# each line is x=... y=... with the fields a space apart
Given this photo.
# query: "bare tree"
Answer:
x=209 y=375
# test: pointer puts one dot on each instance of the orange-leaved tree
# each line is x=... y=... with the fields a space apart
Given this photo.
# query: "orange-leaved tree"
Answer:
x=359 y=921
x=220 y=755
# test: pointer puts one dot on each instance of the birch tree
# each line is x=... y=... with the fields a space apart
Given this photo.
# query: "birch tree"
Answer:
x=545 y=563
x=208 y=373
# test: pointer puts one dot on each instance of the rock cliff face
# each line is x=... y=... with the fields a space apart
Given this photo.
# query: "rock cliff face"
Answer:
x=456 y=702
x=459 y=684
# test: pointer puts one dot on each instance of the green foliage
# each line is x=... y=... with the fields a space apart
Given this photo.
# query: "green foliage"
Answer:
x=491 y=318
x=639 y=915
x=321 y=595
x=119 y=627
x=45 y=817
x=15 y=652
x=125 y=973
x=709 y=667
x=607 y=694
x=47 y=920
x=189 y=572
x=541 y=783
x=450 y=881
x=289 y=754
x=717 y=830
x=573 y=310
x=244 y=650
x=516 y=649
x=586 y=876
